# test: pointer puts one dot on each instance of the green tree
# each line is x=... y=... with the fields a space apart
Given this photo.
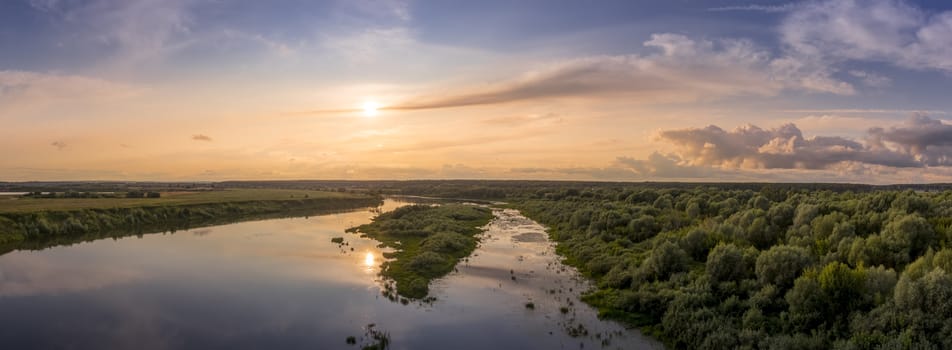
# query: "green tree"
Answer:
x=782 y=264
x=727 y=262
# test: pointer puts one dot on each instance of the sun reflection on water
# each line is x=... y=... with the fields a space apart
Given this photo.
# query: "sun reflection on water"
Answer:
x=369 y=260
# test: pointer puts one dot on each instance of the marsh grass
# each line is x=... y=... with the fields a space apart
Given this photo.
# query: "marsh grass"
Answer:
x=36 y=226
x=428 y=240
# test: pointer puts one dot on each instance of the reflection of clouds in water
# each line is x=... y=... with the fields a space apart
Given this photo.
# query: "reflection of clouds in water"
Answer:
x=29 y=275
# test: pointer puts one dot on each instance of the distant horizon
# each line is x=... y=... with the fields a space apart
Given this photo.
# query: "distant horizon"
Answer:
x=477 y=180
x=844 y=91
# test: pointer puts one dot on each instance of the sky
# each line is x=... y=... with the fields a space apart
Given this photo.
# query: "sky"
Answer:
x=722 y=90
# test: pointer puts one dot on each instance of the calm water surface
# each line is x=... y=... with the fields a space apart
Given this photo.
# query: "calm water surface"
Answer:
x=282 y=284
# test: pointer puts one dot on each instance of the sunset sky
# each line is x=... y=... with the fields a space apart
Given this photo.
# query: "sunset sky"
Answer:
x=170 y=90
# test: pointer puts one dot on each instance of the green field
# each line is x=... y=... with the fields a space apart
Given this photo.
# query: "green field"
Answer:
x=38 y=222
x=16 y=204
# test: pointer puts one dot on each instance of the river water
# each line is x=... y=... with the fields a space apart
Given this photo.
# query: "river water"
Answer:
x=282 y=284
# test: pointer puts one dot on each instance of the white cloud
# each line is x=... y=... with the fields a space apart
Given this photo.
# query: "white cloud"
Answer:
x=889 y=31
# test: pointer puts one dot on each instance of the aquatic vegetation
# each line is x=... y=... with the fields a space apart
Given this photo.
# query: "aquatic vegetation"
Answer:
x=429 y=242
x=380 y=340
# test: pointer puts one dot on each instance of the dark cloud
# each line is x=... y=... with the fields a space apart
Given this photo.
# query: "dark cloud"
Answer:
x=200 y=137
x=579 y=78
x=927 y=140
x=60 y=145
x=680 y=69
x=921 y=141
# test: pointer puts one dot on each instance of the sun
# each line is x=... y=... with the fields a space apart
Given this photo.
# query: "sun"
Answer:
x=370 y=108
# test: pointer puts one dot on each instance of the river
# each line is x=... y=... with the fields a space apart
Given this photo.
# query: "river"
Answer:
x=282 y=284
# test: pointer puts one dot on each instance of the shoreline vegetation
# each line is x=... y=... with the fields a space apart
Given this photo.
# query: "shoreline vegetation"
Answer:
x=717 y=269
x=428 y=242
x=33 y=223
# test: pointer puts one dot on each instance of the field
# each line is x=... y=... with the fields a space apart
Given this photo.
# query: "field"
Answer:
x=38 y=222
x=16 y=204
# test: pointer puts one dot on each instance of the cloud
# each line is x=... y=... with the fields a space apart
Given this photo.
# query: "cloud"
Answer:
x=369 y=45
x=522 y=119
x=890 y=31
x=200 y=137
x=840 y=124
x=60 y=145
x=32 y=88
x=928 y=140
x=871 y=79
x=667 y=166
x=681 y=69
x=919 y=142
x=757 y=8
x=866 y=111
x=45 y=5
x=132 y=32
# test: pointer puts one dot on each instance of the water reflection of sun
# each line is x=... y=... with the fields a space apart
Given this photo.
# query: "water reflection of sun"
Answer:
x=369 y=260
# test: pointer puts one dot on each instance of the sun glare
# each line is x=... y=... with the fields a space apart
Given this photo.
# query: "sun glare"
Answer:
x=370 y=108
x=369 y=260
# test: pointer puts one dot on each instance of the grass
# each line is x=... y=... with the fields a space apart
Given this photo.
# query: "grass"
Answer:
x=15 y=204
x=429 y=242
x=42 y=221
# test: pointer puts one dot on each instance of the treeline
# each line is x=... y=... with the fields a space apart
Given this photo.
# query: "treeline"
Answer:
x=79 y=194
x=428 y=242
x=45 y=226
x=503 y=189
x=714 y=268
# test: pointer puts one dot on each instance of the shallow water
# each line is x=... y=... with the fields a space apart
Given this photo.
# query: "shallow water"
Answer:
x=283 y=284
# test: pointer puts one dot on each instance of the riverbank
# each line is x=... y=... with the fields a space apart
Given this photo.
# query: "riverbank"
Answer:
x=24 y=220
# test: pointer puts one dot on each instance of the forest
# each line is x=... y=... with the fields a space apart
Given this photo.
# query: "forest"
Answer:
x=716 y=268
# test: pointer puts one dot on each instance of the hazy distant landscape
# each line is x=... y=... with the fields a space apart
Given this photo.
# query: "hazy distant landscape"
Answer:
x=458 y=174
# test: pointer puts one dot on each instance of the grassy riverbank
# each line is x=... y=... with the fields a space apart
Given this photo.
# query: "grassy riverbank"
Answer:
x=429 y=241
x=51 y=219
